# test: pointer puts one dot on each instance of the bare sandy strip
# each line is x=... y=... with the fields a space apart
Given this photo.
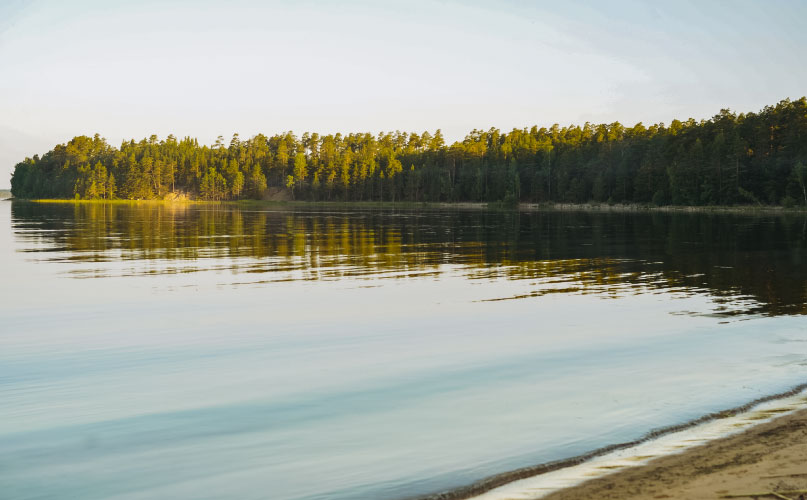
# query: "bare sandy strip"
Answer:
x=771 y=457
x=725 y=457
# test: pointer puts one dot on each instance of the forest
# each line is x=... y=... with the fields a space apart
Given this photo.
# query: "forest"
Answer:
x=755 y=158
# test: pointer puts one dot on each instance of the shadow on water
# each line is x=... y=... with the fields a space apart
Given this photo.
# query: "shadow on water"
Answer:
x=749 y=264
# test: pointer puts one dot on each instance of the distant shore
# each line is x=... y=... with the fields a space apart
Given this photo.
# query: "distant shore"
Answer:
x=526 y=207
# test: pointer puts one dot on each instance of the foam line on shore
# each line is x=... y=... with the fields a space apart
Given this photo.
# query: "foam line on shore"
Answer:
x=534 y=482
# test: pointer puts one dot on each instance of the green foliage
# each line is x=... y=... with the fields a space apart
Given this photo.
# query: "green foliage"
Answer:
x=754 y=157
x=257 y=182
x=659 y=199
x=300 y=171
x=213 y=185
x=748 y=196
x=800 y=172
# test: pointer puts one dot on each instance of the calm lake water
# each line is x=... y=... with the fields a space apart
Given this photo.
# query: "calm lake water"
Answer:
x=158 y=351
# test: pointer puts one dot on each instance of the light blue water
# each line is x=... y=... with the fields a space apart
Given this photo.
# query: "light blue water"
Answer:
x=198 y=352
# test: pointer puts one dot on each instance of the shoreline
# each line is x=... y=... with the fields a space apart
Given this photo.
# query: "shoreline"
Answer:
x=521 y=207
x=766 y=460
x=742 y=419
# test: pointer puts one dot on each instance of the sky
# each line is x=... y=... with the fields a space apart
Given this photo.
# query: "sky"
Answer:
x=129 y=69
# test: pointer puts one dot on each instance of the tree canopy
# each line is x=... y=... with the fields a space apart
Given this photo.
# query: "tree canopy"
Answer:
x=756 y=158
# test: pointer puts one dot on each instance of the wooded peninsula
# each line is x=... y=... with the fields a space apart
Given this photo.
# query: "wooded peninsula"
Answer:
x=751 y=158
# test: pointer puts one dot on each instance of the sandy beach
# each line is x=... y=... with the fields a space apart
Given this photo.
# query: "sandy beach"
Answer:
x=771 y=457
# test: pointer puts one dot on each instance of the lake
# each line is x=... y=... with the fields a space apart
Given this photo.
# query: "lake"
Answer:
x=213 y=352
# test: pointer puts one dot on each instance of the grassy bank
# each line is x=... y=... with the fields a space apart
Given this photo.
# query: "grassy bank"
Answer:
x=605 y=207
x=408 y=205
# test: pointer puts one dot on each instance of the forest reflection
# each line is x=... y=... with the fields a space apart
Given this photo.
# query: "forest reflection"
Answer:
x=749 y=264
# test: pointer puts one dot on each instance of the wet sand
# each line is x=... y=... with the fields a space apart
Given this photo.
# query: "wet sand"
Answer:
x=766 y=458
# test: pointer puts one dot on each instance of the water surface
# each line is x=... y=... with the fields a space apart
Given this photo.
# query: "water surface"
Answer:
x=201 y=351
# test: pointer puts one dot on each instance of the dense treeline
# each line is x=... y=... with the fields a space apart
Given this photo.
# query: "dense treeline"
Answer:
x=756 y=158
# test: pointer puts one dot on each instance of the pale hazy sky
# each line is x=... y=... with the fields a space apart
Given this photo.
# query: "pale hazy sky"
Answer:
x=202 y=68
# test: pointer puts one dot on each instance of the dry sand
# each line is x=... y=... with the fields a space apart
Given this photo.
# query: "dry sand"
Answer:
x=768 y=457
